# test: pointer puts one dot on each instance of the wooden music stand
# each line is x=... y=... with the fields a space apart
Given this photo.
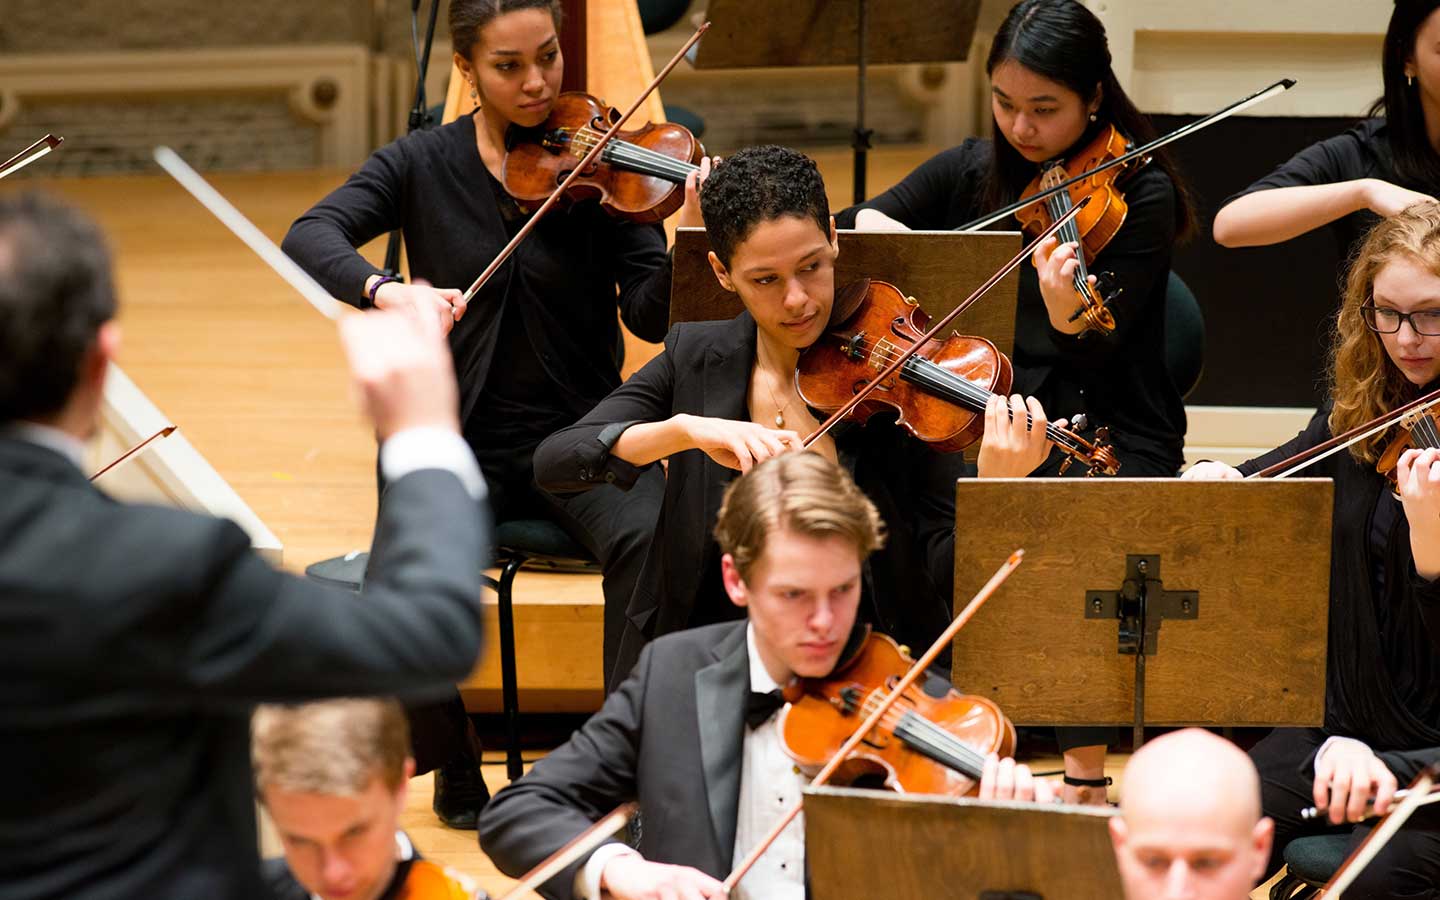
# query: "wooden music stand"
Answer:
x=757 y=33
x=937 y=268
x=1221 y=586
x=955 y=848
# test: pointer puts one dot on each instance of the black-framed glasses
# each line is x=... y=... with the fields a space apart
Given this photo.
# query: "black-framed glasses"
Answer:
x=1388 y=321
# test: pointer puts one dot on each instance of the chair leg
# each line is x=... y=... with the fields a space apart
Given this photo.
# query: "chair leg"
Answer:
x=509 y=685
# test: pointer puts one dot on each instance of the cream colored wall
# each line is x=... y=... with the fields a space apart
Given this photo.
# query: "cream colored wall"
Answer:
x=1188 y=57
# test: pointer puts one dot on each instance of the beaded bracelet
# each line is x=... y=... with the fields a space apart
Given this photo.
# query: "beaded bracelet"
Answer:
x=375 y=288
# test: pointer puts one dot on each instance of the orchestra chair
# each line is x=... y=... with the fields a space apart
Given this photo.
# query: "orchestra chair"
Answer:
x=1310 y=862
x=1184 y=335
x=539 y=544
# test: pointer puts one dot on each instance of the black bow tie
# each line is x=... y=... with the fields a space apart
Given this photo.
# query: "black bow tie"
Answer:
x=760 y=707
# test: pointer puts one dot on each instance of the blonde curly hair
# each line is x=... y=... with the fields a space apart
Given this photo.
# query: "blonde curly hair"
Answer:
x=1364 y=383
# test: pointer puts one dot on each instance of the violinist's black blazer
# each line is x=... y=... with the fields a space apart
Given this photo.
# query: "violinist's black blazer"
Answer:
x=705 y=370
x=134 y=641
x=671 y=736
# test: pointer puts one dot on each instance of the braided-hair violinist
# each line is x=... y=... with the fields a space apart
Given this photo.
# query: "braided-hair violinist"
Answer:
x=536 y=347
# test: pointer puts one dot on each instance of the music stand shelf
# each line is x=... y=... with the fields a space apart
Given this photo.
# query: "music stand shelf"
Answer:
x=1233 y=621
x=861 y=843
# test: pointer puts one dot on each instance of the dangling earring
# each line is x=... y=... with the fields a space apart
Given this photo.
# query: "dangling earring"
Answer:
x=1093 y=117
x=1409 y=80
x=474 y=95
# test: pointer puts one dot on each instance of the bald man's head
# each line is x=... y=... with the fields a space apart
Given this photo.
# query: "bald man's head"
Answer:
x=1191 y=826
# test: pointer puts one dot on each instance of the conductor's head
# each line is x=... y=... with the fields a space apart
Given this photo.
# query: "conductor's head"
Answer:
x=57 y=310
x=1191 y=826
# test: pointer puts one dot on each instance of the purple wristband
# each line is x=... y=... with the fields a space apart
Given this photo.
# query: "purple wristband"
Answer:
x=375 y=288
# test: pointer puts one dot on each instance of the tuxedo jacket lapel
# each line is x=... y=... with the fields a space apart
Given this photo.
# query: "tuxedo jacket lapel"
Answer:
x=727 y=387
x=720 y=692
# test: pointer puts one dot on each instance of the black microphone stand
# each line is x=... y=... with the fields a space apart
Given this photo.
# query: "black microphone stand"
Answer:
x=420 y=114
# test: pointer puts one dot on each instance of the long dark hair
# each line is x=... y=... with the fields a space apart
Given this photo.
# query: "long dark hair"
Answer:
x=1414 y=158
x=1063 y=41
x=467 y=17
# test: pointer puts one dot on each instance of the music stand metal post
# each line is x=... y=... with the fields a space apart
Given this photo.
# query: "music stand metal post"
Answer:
x=746 y=34
x=955 y=847
x=1249 y=563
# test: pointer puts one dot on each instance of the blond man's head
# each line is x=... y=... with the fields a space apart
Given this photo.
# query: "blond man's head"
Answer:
x=333 y=776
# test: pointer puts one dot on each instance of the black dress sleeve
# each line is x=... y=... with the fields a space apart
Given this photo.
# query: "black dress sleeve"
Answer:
x=367 y=205
x=1135 y=261
x=567 y=791
x=1343 y=157
x=577 y=457
x=928 y=198
x=643 y=273
x=1316 y=432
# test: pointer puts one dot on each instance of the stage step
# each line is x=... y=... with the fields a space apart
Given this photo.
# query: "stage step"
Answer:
x=559 y=619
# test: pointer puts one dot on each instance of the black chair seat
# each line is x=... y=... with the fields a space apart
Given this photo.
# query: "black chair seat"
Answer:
x=541 y=542
x=1314 y=859
x=346 y=571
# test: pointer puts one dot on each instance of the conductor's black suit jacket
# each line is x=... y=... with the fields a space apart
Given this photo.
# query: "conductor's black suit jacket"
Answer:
x=671 y=736
x=134 y=641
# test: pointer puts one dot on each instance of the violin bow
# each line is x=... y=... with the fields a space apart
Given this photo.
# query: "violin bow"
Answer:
x=584 y=164
x=1382 y=833
x=246 y=231
x=905 y=355
x=1238 y=106
x=573 y=852
x=1312 y=455
x=909 y=678
x=162 y=433
x=30 y=154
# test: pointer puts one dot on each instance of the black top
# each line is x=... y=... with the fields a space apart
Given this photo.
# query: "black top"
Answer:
x=1383 y=676
x=671 y=736
x=1119 y=380
x=1361 y=152
x=705 y=370
x=134 y=641
x=557 y=293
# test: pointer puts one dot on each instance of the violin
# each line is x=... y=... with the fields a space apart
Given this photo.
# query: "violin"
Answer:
x=1098 y=223
x=639 y=175
x=923 y=745
x=1419 y=430
x=940 y=392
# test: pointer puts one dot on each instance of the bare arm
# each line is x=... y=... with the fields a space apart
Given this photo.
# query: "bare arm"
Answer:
x=1279 y=214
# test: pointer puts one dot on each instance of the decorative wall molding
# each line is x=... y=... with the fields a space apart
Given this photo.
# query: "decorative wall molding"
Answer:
x=328 y=87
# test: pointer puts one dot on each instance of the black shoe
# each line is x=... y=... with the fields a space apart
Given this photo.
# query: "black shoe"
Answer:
x=460 y=794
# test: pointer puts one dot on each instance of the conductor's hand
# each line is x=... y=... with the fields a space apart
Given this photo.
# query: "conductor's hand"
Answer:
x=1347 y=775
x=631 y=877
x=401 y=370
x=690 y=212
x=1014 y=444
x=1386 y=199
x=1209 y=470
x=738 y=445
x=1005 y=779
x=443 y=306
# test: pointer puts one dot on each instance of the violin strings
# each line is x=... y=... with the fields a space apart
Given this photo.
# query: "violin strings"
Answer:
x=1059 y=207
x=927 y=374
x=645 y=159
x=630 y=155
x=920 y=732
x=1429 y=436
